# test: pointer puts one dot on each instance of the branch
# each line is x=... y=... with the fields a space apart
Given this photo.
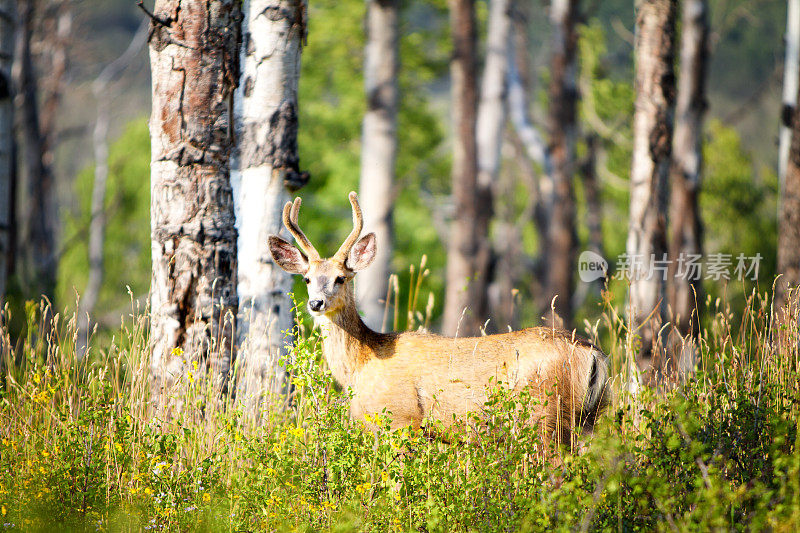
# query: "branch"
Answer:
x=154 y=18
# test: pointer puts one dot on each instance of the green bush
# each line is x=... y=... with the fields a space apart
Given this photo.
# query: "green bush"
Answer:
x=80 y=449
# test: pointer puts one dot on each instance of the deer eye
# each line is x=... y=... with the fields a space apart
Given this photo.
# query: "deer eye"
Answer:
x=339 y=280
x=307 y=281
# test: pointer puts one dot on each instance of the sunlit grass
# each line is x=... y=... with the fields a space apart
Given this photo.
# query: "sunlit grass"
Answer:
x=80 y=447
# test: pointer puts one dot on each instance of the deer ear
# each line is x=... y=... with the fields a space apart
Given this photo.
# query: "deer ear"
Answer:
x=287 y=256
x=362 y=253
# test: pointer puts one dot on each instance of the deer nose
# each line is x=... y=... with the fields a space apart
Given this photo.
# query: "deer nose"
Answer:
x=316 y=305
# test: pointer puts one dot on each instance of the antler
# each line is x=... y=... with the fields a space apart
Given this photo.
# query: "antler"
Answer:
x=358 y=225
x=290 y=212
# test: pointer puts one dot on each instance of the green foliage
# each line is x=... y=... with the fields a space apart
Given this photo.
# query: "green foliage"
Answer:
x=332 y=105
x=126 y=252
x=739 y=207
x=80 y=448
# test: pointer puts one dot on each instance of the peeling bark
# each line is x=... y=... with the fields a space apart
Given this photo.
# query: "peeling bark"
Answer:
x=7 y=17
x=687 y=167
x=265 y=171
x=562 y=125
x=652 y=145
x=468 y=252
x=379 y=152
x=194 y=57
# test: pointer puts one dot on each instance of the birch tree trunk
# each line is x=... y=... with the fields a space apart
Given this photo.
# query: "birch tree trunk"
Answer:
x=491 y=122
x=652 y=144
x=532 y=141
x=265 y=170
x=379 y=151
x=791 y=80
x=38 y=241
x=194 y=55
x=687 y=165
x=789 y=221
x=562 y=125
x=7 y=16
x=468 y=249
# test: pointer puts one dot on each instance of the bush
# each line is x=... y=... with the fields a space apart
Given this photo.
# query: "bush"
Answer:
x=80 y=449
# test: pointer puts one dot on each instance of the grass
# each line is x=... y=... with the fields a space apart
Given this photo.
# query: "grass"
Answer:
x=80 y=450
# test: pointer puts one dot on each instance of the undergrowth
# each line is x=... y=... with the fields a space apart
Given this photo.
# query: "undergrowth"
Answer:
x=714 y=449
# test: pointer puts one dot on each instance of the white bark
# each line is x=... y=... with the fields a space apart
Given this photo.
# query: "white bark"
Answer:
x=379 y=152
x=687 y=166
x=652 y=142
x=194 y=51
x=791 y=78
x=264 y=172
x=530 y=136
x=7 y=16
x=492 y=105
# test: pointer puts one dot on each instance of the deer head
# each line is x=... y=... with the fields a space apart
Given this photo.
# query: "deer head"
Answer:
x=328 y=280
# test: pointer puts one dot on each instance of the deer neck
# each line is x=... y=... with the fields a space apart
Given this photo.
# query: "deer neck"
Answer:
x=347 y=343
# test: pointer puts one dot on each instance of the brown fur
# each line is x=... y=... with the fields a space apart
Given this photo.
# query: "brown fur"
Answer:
x=421 y=376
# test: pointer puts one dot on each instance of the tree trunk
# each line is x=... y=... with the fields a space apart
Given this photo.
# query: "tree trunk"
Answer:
x=379 y=151
x=97 y=224
x=194 y=56
x=791 y=80
x=468 y=251
x=532 y=140
x=38 y=272
x=562 y=126
x=652 y=144
x=265 y=171
x=490 y=126
x=7 y=17
x=594 y=220
x=789 y=222
x=687 y=165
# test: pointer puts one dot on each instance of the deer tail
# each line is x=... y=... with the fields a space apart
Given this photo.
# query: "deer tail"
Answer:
x=598 y=392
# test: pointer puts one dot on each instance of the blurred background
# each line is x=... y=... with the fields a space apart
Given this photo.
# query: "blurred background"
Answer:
x=89 y=71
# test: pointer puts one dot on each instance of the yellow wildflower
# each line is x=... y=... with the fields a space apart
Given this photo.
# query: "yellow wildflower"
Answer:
x=3 y=510
x=37 y=378
x=385 y=476
x=177 y=351
x=119 y=447
x=206 y=497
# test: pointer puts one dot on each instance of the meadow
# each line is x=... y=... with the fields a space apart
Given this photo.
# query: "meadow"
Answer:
x=716 y=449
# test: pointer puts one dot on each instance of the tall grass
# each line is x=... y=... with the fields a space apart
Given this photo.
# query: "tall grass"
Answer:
x=81 y=449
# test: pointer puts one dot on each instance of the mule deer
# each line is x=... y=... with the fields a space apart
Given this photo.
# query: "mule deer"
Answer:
x=419 y=376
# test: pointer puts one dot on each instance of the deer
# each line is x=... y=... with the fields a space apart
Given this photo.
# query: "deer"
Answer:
x=423 y=379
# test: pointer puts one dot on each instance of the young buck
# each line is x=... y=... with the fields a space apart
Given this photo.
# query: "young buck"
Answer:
x=419 y=376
